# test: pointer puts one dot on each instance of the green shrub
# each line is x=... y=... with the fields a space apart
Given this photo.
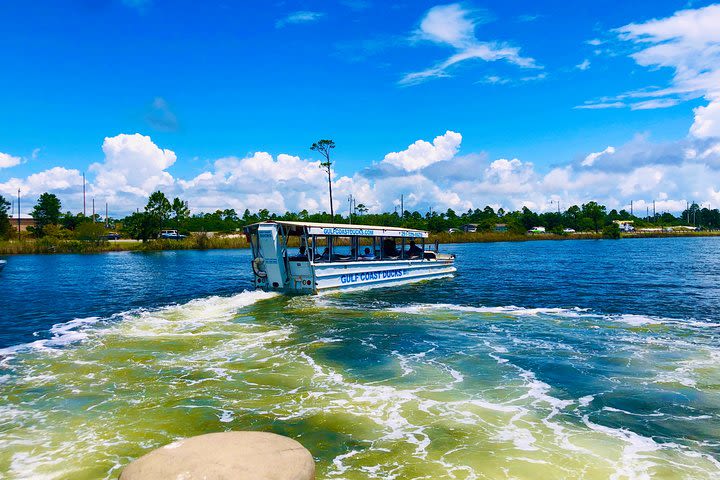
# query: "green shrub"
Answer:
x=611 y=231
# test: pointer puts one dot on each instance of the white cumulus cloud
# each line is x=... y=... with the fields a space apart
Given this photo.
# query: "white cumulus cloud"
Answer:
x=133 y=165
x=590 y=159
x=453 y=25
x=7 y=160
x=422 y=154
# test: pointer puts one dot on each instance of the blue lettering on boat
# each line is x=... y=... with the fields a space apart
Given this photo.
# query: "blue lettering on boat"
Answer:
x=370 y=276
x=348 y=231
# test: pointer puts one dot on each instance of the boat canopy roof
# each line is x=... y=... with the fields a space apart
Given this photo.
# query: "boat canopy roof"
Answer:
x=341 y=229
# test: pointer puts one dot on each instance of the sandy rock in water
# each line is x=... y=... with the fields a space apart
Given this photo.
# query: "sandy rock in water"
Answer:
x=225 y=456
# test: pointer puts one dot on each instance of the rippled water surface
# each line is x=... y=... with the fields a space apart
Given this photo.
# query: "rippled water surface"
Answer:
x=574 y=359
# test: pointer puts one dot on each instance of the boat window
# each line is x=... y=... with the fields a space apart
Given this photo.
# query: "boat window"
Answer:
x=253 y=240
x=303 y=252
x=413 y=250
x=320 y=249
x=343 y=249
x=389 y=249
x=366 y=249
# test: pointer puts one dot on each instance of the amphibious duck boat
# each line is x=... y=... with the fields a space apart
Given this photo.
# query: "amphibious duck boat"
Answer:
x=330 y=257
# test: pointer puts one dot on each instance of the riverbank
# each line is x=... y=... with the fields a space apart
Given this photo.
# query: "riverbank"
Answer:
x=45 y=246
x=203 y=242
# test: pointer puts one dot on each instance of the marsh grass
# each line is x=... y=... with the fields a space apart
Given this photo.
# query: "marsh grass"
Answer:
x=54 y=245
x=49 y=245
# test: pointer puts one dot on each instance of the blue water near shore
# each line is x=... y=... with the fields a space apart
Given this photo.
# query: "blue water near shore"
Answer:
x=674 y=277
x=563 y=359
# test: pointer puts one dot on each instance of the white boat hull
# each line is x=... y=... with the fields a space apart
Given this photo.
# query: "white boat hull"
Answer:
x=336 y=276
x=306 y=277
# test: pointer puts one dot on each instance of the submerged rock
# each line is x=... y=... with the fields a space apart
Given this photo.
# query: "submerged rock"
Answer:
x=229 y=455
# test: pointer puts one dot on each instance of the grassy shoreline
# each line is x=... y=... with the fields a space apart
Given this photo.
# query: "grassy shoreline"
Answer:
x=50 y=246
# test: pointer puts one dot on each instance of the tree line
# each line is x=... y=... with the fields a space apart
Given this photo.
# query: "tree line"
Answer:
x=162 y=213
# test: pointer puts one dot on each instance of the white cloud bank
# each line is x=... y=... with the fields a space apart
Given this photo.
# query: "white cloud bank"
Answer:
x=429 y=174
x=454 y=26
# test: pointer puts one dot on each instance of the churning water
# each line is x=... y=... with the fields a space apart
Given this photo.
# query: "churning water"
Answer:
x=576 y=359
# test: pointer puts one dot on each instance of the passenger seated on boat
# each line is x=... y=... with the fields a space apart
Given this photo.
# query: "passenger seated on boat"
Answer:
x=367 y=255
x=345 y=258
x=302 y=255
x=389 y=249
x=326 y=254
x=414 y=251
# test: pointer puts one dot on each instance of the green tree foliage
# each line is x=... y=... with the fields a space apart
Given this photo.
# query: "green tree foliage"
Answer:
x=611 y=230
x=323 y=147
x=90 y=232
x=71 y=221
x=46 y=212
x=142 y=226
x=159 y=206
x=596 y=213
x=181 y=211
x=5 y=226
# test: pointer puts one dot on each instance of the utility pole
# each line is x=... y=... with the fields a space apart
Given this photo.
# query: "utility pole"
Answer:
x=631 y=208
x=402 y=206
x=558 y=205
x=18 y=214
x=93 y=217
x=350 y=208
x=654 y=215
x=107 y=219
x=84 y=210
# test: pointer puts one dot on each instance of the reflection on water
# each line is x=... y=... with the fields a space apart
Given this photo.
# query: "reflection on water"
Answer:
x=538 y=360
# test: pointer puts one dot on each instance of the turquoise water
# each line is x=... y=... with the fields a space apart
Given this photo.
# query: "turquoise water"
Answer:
x=574 y=359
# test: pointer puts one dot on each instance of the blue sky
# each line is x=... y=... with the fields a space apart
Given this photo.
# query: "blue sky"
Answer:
x=212 y=80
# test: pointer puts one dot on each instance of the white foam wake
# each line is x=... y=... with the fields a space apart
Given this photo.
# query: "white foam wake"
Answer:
x=634 y=320
x=190 y=314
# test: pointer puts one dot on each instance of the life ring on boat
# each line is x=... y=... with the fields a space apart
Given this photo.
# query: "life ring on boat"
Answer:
x=258 y=266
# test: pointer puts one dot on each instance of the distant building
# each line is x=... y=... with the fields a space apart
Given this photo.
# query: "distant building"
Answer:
x=568 y=230
x=537 y=230
x=501 y=227
x=25 y=222
x=469 y=228
x=625 y=225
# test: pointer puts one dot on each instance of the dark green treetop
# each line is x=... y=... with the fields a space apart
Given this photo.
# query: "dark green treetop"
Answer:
x=46 y=212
